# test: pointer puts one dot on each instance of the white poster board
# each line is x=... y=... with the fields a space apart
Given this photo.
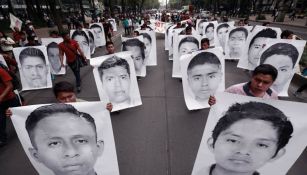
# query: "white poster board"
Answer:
x=53 y=53
x=100 y=39
x=255 y=44
x=116 y=80
x=284 y=55
x=34 y=67
x=203 y=74
x=248 y=130
x=183 y=44
x=62 y=139
x=81 y=36
x=136 y=46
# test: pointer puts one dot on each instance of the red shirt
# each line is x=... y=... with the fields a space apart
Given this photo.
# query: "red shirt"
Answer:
x=5 y=77
x=70 y=55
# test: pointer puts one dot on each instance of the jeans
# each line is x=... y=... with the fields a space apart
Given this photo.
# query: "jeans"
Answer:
x=3 y=107
x=75 y=67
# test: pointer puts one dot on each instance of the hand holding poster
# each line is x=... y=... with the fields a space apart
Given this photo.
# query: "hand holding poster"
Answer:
x=67 y=139
x=251 y=135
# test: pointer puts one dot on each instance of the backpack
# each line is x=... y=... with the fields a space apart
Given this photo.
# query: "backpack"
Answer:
x=15 y=80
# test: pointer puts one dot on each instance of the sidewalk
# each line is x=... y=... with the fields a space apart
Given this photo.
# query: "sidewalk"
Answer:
x=287 y=21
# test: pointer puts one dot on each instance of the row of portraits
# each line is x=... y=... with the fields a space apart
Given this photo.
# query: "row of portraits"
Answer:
x=144 y=50
x=242 y=135
x=264 y=48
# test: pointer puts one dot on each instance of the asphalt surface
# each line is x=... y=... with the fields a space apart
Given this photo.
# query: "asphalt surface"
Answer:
x=161 y=137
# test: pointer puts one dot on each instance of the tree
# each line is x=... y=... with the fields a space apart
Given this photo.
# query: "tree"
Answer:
x=56 y=14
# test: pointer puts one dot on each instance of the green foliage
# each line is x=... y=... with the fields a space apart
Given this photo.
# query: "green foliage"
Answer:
x=5 y=26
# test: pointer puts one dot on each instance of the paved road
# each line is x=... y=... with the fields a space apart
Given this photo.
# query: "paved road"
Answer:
x=161 y=137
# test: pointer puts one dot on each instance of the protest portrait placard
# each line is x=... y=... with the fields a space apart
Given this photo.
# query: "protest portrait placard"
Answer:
x=61 y=138
x=251 y=135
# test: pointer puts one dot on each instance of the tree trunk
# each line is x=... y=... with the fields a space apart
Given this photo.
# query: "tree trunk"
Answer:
x=29 y=8
x=56 y=14
x=10 y=7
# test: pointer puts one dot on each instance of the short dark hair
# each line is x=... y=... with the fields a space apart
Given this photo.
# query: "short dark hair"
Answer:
x=62 y=86
x=285 y=34
x=204 y=58
x=112 y=62
x=190 y=39
x=239 y=29
x=95 y=26
x=266 y=69
x=146 y=35
x=49 y=110
x=82 y=33
x=209 y=25
x=205 y=40
x=109 y=43
x=52 y=45
x=280 y=49
x=90 y=34
x=256 y=111
x=223 y=25
x=135 y=42
x=31 y=52
x=266 y=33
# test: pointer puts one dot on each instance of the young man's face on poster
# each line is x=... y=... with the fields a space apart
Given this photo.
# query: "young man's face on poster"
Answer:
x=204 y=80
x=68 y=149
x=35 y=71
x=137 y=57
x=116 y=81
x=236 y=150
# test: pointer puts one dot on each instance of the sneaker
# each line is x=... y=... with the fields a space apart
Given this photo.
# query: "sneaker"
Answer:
x=78 y=89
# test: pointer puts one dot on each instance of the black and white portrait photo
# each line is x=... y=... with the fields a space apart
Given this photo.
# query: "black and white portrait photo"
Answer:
x=150 y=43
x=53 y=53
x=91 y=36
x=99 y=35
x=203 y=74
x=249 y=135
x=116 y=80
x=254 y=45
x=183 y=44
x=137 y=48
x=222 y=30
x=172 y=36
x=284 y=55
x=168 y=30
x=34 y=67
x=66 y=139
x=235 y=41
x=207 y=29
x=113 y=23
x=83 y=39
